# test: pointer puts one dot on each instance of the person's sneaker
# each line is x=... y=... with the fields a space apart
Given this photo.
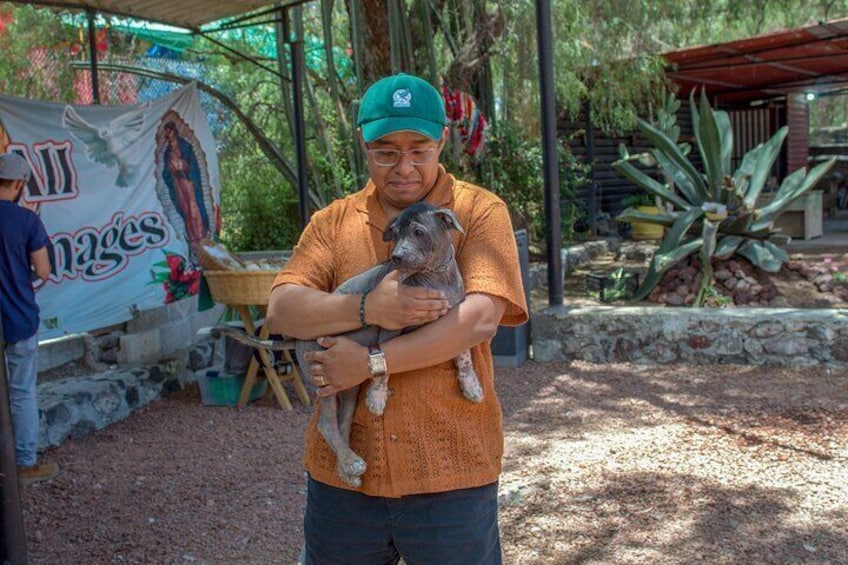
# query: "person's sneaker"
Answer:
x=36 y=473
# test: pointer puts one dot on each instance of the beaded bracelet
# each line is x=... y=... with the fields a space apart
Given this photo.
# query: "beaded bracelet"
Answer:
x=362 y=309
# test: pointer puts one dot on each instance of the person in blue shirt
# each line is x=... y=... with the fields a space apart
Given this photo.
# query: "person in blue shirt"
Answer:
x=23 y=250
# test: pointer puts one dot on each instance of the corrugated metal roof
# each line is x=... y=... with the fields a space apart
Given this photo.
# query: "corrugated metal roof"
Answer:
x=189 y=14
x=808 y=59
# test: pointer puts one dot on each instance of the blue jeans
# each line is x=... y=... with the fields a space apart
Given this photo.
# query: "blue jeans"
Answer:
x=21 y=373
x=456 y=527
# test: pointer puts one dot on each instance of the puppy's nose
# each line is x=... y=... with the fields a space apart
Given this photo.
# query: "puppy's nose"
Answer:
x=401 y=251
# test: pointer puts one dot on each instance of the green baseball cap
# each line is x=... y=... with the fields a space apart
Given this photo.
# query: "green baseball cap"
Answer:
x=401 y=102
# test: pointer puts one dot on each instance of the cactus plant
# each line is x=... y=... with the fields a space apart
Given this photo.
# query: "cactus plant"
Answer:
x=713 y=212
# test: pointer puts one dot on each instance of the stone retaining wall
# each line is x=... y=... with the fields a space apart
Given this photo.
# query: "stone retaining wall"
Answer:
x=75 y=406
x=71 y=407
x=748 y=336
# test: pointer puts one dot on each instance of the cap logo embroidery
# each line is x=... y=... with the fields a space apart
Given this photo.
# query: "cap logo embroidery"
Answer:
x=402 y=98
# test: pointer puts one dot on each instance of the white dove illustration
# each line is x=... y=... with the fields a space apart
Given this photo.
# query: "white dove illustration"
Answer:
x=109 y=145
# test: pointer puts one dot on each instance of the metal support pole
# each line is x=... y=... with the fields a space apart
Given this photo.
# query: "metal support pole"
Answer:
x=92 y=54
x=13 y=543
x=281 y=28
x=590 y=158
x=297 y=74
x=553 y=231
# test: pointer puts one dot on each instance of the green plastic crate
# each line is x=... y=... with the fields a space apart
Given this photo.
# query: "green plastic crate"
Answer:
x=217 y=389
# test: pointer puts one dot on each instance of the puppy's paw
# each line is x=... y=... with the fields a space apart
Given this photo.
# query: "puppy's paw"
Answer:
x=352 y=480
x=471 y=388
x=377 y=396
x=376 y=403
x=468 y=381
x=351 y=467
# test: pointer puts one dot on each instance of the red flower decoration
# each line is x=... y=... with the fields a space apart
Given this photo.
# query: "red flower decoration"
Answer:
x=179 y=278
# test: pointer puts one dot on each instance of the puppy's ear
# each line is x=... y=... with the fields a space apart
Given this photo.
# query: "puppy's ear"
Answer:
x=389 y=234
x=449 y=219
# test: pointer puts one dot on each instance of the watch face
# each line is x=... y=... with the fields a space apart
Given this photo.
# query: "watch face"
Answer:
x=377 y=363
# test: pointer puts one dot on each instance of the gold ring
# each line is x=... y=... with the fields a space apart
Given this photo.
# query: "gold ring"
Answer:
x=321 y=381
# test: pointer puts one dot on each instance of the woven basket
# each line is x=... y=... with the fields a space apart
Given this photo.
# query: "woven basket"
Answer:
x=215 y=257
x=236 y=288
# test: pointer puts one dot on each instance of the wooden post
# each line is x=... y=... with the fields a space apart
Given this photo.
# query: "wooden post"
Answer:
x=13 y=540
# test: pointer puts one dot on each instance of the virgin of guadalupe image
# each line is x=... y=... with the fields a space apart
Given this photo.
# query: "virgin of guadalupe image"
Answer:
x=180 y=167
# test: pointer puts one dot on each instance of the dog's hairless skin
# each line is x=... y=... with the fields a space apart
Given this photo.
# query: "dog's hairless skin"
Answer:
x=424 y=255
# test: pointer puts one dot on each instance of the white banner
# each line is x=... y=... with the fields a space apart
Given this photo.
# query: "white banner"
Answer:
x=124 y=192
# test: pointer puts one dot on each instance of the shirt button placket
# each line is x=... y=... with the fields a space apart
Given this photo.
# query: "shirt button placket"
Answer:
x=393 y=447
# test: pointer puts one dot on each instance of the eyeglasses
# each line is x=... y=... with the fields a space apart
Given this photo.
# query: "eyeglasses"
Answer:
x=391 y=157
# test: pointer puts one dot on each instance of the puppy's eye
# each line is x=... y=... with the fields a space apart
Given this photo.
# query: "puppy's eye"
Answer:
x=418 y=232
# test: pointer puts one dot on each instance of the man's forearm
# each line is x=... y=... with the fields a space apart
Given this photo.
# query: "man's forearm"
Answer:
x=41 y=263
x=471 y=322
x=306 y=313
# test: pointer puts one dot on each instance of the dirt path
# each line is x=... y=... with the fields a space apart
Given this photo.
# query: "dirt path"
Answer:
x=605 y=464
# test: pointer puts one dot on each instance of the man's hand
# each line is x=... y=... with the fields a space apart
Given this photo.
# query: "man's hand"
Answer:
x=393 y=306
x=342 y=365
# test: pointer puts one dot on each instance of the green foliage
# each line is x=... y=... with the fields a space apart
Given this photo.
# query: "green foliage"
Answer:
x=39 y=48
x=259 y=210
x=514 y=166
x=619 y=288
x=38 y=68
x=828 y=111
x=637 y=199
x=832 y=268
x=716 y=298
x=714 y=212
x=259 y=206
x=574 y=175
x=606 y=52
x=330 y=157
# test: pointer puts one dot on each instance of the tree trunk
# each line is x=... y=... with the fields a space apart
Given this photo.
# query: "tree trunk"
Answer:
x=369 y=31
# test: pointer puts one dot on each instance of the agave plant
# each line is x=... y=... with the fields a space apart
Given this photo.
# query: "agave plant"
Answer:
x=713 y=212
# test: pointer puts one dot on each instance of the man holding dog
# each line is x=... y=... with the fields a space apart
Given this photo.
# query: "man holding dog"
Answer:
x=429 y=493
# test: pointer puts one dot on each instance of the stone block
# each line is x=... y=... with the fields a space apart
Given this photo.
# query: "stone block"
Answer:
x=547 y=350
x=175 y=335
x=146 y=320
x=139 y=348
x=54 y=353
x=200 y=356
x=840 y=349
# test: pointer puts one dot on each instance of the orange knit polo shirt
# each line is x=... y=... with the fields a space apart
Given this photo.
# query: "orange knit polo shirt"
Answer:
x=430 y=438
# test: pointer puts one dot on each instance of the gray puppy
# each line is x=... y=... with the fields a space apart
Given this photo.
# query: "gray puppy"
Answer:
x=424 y=254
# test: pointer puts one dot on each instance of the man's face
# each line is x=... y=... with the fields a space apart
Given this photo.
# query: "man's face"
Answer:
x=404 y=184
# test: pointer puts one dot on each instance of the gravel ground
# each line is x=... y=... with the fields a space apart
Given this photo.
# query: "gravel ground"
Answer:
x=604 y=464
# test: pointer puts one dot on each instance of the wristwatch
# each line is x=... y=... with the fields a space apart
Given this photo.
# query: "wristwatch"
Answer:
x=376 y=361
